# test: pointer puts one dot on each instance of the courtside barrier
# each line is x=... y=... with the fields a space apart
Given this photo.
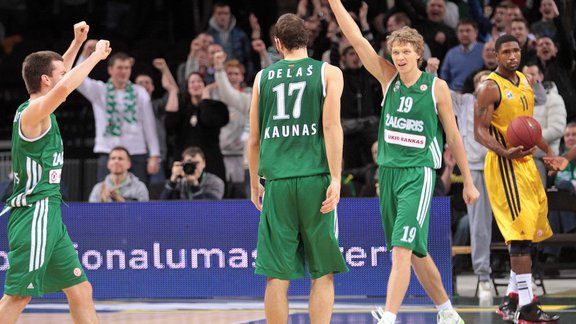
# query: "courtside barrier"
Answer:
x=205 y=249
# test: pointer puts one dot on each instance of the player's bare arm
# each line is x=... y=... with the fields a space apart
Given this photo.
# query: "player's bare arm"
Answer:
x=35 y=119
x=487 y=98
x=453 y=138
x=380 y=68
x=333 y=135
x=80 y=35
x=256 y=189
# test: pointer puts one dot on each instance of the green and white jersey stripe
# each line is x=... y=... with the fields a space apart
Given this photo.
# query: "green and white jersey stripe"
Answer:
x=36 y=163
x=38 y=234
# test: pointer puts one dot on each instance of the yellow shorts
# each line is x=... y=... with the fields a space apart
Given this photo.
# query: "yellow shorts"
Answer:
x=518 y=199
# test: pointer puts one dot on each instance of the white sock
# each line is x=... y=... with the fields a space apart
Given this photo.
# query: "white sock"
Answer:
x=446 y=306
x=389 y=317
x=524 y=282
x=512 y=286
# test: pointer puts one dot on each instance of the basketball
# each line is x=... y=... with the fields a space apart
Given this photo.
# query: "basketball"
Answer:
x=524 y=131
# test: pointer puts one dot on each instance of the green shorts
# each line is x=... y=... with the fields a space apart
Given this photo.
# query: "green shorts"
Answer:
x=293 y=231
x=42 y=258
x=405 y=198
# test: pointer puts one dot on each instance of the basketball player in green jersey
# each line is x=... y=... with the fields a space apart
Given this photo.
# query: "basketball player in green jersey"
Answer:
x=295 y=143
x=42 y=257
x=410 y=147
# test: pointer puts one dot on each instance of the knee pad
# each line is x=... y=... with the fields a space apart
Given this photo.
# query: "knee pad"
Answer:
x=520 y=248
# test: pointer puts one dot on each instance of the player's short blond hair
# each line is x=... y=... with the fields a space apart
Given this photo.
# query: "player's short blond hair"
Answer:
x=407 y=35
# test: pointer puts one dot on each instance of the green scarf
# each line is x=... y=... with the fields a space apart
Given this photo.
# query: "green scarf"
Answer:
x=114 y=117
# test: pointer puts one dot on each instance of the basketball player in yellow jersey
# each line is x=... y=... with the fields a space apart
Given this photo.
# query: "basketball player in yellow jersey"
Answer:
x=514 y=187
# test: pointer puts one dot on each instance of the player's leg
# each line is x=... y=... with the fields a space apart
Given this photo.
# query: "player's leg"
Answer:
x=65 y=273
x=319 y=234
x=321 y=302
x=27 y=267
x=81 y=305
x=409 y=232
x=12 y=306
x=276 y=300
x=280 y=252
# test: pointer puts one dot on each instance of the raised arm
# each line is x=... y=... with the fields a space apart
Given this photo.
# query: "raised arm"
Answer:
x=253 y=146
x=333 y=135
x=168 y=83
x=80 y=36
x=454 y=140
x=376 y=65
x=40 y=108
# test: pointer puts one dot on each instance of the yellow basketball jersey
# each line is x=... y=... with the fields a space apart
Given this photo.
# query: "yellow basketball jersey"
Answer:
x=517 y=196
x=515 y=100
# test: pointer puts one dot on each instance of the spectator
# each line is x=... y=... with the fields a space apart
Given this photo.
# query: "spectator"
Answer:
x=546 y=26
x=519 y=29
x=557 y=66
x=437 y=35
x=479 y=213
x=231 y=90
x=189 y=181
x=490 y=64
x=119 y=185
x=196 y=121
x=360 y=97
x=197 y=60
x=551 y=115
x=563 y=221
x=123 y=115
x=365 y=177
x=168 y=101
x=234 y=40
x=463 y=59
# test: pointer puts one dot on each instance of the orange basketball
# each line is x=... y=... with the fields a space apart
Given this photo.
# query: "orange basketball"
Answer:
x=524 y=131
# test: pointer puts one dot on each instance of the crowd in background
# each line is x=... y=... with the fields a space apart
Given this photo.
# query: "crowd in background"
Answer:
x=204 y=99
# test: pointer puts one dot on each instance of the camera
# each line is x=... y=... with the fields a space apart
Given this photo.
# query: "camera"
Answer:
x=189 y=167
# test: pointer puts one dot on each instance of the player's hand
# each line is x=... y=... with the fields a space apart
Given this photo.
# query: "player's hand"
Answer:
x=103 y=49
x=470 y=194
x=81 y=32
x=332 y=197
x=518 y=152
x=555 y=163
x=256 y=195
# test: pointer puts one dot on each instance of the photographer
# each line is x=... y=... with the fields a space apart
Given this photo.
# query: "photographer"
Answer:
x=189 y=181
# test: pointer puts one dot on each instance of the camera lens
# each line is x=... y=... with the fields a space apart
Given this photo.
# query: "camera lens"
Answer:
x=189 y=167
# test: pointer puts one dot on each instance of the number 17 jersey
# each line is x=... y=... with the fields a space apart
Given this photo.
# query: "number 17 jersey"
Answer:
x=410 y=133
x=290 y=119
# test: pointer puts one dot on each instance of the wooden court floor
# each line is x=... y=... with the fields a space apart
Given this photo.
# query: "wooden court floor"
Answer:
x=355 y=315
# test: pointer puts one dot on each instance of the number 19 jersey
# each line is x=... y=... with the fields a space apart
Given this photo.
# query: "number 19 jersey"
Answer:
x=410 y=133
x=290 y=119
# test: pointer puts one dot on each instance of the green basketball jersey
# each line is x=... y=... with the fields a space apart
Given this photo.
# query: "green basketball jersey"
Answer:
x=290 y=118
x=410 y=133
x=36 y=163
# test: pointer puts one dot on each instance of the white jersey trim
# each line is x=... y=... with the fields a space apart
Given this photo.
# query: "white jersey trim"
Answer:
x=434 y=94
x=31 y=139
x=322 y=73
